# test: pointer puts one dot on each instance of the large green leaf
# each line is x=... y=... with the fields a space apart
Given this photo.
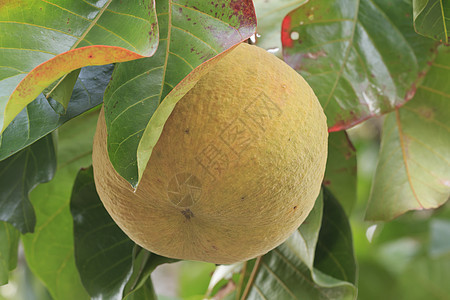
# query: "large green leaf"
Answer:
x=361 y=57
x=334 y=252
x=9 y=242
x=38 y=118
x=191 y=33
x=109 y=263
x=50 y=250
x=289 y=271
x=41 y=41
x=340 y=173
x=413 y=170
x=270 y=14
x=103 y=252
x=432 y=18
x=21 y=173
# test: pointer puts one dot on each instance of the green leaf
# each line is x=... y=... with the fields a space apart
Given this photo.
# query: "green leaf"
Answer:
x=432 y=18
x=109 y=263
x=21 y=173
x=413 y=170
x=60 y=94
x=39 y=119
x=191 y=33
x=103 y=252
x=287 y=272
x=144 y=263
x=9 y=242
x=340 y=172
x=440 y=237
x=334 y=253
x=145 y=292
x=270 y=14
x=42 y=41
x=50 y=250
x=362 y=58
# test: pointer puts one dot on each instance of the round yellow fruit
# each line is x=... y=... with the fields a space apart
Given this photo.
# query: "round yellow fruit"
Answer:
x=236 y=170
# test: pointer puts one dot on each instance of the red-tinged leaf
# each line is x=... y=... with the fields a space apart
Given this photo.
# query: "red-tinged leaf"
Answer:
x=34 y=32
x=270 y=14
x=46 y=73
x=362 y=58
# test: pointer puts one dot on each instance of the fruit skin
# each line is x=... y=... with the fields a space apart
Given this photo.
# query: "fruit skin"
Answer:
x=236 y=170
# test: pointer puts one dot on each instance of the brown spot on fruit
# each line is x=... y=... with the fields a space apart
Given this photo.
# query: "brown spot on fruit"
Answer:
x=187 y=213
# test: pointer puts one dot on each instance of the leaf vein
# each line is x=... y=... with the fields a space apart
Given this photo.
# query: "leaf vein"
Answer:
x=196 y=37
x=129 y=107
x=280 y=282
x=198 y=11
x=405 y=162
x=346 y=55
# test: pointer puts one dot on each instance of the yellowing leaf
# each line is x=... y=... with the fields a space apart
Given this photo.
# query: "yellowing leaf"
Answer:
x=43 y=75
